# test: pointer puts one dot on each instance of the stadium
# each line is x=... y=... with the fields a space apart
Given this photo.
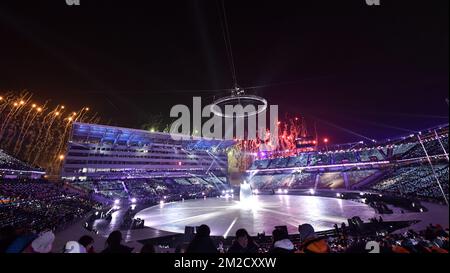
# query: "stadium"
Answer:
x=159 y=191
x=356 y=169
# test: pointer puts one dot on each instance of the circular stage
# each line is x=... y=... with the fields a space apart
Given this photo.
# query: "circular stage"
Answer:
x=262 y=214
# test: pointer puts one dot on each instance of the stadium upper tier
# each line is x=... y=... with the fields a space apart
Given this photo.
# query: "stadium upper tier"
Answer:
x=359 y=154
x=99 y=151
x=11 y=167
x=399 y=168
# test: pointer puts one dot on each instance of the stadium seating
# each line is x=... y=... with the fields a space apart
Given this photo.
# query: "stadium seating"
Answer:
x=319 y=159
x=304 y=181
x=331 y=180
x=260 y=164
x=416 y=181
x=40 y=205
x=278 y=162
x=298 y=161
x=288 y=180
x=8 y=162
x=369 y=154
x=402 y=148
x=355 y=177
x=345 y=157
x=433 y=147
x=154 y=189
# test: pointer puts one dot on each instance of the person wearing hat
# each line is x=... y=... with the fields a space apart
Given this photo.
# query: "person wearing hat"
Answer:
x=281 y=242
x=309 y=242
x=202 y=242
x=74 y=247
x=87 y=242
x=114 y=244
x=42 y=244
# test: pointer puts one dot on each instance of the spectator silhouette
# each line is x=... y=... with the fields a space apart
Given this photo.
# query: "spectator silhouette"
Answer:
x=243 y=243
x=88 y=243
x=202 y=242
x=148 y=248
x=113 y=244
x=310 y=242
x=281 y=242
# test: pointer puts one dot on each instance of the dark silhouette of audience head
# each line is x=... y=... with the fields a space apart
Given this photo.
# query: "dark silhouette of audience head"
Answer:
x=181 y=248
x=242 y=237
x=306 y=232
x=88 y=243
x=113 y=244
x=279 y=234
x=148 y=248
x=202 y=242
x=114 y=239
x=203 y=231
x=310 y=242
x=281 y=242
x=243 y=243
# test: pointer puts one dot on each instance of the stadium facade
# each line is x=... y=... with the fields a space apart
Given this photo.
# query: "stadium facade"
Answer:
x=106 y=152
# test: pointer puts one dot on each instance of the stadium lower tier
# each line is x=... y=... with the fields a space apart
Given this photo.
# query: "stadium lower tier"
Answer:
x=343 y=219
x=40 y=205
x=419 y=180
x=154 y=189
x=35 y=206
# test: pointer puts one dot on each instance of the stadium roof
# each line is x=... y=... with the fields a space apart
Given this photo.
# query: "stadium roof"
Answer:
x=143 y=137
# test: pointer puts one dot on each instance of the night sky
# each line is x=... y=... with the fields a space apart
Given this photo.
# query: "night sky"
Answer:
x=337 y=63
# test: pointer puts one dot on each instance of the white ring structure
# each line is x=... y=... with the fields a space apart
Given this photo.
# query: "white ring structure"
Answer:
x=237 y=98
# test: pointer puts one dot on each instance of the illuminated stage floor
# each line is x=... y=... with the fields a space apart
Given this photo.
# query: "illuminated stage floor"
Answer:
x=224 y=216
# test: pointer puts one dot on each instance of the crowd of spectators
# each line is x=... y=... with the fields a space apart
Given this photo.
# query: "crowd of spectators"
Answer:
x=355 y=177
x=153 y=190
x=416 y=181
x=32 y=210
x=403 y=150
x=40 y=205
x=433 y=147
x=434 y=239
x=8 y=162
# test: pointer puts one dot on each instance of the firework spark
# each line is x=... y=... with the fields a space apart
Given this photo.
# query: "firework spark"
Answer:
x=37 y=133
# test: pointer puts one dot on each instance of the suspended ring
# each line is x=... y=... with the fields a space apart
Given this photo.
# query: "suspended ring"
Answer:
x=234 y=99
